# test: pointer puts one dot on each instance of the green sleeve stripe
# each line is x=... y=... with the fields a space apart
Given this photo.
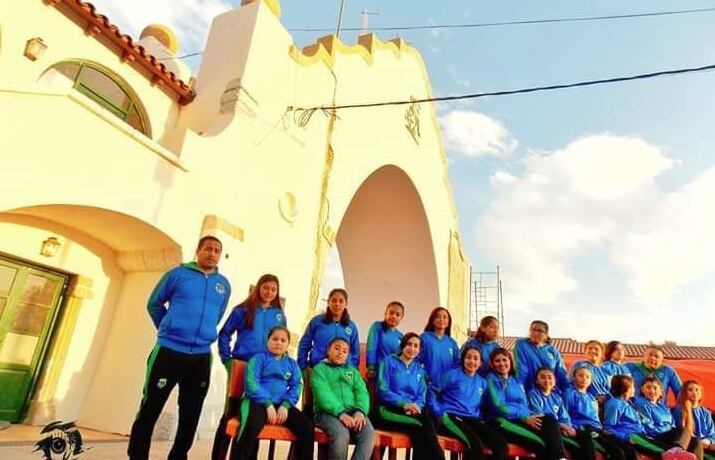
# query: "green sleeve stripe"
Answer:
x=643 y=443
x=397 y=418
x=519 y=430
x=452 y=427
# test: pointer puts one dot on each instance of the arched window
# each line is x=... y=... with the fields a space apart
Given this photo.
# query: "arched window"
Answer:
x=106 y=90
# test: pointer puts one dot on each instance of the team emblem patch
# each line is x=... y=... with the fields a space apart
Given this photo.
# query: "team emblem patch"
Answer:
x=220 y=288
x=287 y=375
x=451 y=352
x=279 y=317
x=161 y=384
x=349 y=375
x=555 y=408
x=348 y=330
x=550 y=355
x=481 y=391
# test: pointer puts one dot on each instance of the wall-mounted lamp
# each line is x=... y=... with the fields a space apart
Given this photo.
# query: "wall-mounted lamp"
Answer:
x=34 y=48
x=50 y=247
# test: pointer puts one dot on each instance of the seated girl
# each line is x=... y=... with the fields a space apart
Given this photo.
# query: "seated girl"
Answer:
x=510 y=413
x=401 y=395
x=273 y=384
x=583 y=411
x=458 y=407
x=341 y=403
x=691 y=414
x=621 y=419
x=658 y=420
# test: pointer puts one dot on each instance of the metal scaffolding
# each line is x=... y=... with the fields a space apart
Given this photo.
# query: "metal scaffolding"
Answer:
x=485 y=298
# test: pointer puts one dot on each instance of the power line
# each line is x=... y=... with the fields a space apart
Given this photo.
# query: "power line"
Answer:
x=517 y=23
x=497 y=24
x=307 y=112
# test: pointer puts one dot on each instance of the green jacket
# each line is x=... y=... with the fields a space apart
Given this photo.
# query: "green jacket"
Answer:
x=338 y=389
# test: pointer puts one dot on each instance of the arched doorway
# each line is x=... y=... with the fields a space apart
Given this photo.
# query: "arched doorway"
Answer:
x=104 y=255
x=386 y=252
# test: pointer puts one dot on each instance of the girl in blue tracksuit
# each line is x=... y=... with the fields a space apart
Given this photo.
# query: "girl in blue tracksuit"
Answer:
x=652 y=364
x=457 y=405
x=613 y=363
x=323 y=328
x=273 y=386
x=485 y=340
x=401 y=398
x=600 y=383
x=535 y=352
x=691 y=414
x=658 y=420
x=510 y=413
x=383 y=339
x=583 y=411
x=250 y=321
x=621 y=419
x=440 y=351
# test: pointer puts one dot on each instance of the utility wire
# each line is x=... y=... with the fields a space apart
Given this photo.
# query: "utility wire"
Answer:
x=303 y=114
x=517 y=23
x=497 y=24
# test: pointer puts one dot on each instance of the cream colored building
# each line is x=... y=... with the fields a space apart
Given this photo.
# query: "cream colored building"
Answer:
x=115 y=156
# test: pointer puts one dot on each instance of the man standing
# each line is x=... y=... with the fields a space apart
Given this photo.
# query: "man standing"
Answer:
x=197 y=296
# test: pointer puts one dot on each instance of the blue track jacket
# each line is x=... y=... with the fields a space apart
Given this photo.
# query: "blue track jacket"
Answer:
x=273 y=380
x=582 y=408
x=611 y=368
x=459 y=394
x=399 y=384
x=438 y=355
x=655 y=417
x=485 y=349
x=600 y=381
x=540 y=404
x=196 y=301
x=507 y=398
x=666 y=374
x=248 y=341
x=621 y=419
x=382 y=341
x=313 y=346
x=529 y=358
x=703 y=418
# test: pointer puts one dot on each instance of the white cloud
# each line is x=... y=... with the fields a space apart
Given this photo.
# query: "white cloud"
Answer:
x=599 y=194
x=474 y=134
x=189 y=19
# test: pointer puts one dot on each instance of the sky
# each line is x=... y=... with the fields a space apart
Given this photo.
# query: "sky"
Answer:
x=596 y=203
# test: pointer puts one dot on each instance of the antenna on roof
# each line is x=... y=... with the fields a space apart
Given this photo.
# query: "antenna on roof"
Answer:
x=364 y=18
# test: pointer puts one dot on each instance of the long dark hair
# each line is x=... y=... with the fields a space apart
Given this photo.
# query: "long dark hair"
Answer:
x=345 y=317
x=430 y=327
x=254 y=298
x=484 y=322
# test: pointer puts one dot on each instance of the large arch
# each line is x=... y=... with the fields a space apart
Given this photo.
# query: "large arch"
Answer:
x=386 y=250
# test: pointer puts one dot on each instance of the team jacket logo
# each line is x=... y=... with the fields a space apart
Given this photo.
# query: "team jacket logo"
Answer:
x=287 y=375
x=279 y=317
x=349 y=376
x=220 y=288
x=348 y=330
x=451 y=352
x=161 y=383
x=550 y=355
x=555 y=408
x=481 y=391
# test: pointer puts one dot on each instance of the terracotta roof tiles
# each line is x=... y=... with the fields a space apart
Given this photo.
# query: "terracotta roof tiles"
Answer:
x=100 y=24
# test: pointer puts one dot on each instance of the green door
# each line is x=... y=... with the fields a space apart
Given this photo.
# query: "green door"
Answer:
x=29 y=301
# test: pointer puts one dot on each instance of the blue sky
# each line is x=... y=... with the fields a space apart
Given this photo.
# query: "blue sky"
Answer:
x=595 y=202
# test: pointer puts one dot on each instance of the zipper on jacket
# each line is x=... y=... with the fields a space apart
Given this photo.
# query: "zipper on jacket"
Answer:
x=203 y=309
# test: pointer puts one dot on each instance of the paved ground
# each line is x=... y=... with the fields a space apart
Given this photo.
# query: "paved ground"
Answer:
x=17 y=443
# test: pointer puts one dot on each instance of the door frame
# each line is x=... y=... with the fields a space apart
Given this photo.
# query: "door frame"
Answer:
x=49 y=330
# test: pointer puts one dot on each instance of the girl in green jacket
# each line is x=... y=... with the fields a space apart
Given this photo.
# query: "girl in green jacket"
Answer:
x=341 y=403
